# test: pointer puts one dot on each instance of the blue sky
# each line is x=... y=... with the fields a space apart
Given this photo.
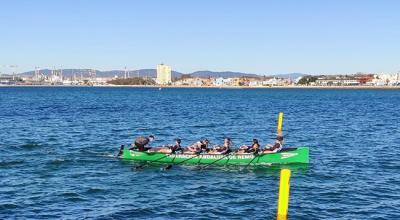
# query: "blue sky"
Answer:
x=264 y=37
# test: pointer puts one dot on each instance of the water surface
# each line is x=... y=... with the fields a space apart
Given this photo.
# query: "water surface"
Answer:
x=57 y=148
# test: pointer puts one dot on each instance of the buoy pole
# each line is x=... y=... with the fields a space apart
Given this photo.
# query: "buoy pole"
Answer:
x=283 y=200
x=280 y=120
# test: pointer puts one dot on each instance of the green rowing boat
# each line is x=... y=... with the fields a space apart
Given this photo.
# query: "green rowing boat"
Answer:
x=286 y=156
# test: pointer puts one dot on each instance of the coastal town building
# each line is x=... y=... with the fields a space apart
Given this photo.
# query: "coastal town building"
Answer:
x=255 y=83
x=364 y=79
x=276 y=82
x=190 y=82
x=9 y=79
x=222 y=81
x=386 y=79
x=164 y=76
x=337 y=82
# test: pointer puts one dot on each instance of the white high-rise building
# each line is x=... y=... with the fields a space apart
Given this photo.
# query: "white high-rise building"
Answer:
x=163 y=74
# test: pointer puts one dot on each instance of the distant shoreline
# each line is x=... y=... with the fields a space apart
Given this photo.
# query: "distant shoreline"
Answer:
x=217 y=87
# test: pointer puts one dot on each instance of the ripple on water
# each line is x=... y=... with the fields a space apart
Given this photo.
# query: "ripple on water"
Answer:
x=128 y=213
x=58 y=161
x=72 y=196
x=95 y=190
x=6 y=206
x=30 y=146
x=10 y=163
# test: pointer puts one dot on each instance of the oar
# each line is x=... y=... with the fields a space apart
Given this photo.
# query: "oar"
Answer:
x=138 y=167
x=170 y=165
x=121 y=151
x=255 y=156
x=215 y=161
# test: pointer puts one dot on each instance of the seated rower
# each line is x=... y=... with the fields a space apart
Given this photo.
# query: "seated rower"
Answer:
x=198 y=147
x=140 y=142
x=225 y=149
x=177 y=147
x=168 y=149
x=254 y=148
x=278 y=145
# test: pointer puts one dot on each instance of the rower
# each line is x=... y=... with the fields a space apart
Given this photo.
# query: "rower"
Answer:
x=169 y=149
x=140 y=142
x=198 y=147
x=254 y=148
x=177 y=147
x=278 y=145
x=225 y=149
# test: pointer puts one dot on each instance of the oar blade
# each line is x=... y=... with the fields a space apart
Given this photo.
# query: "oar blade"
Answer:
x=169 y=166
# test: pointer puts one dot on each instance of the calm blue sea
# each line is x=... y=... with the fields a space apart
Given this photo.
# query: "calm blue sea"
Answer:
x=57 y=148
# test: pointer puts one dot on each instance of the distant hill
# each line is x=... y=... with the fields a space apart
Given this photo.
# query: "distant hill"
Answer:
x=289 y=75
x=225 y=74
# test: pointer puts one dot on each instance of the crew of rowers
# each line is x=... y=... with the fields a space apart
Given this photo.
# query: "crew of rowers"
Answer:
x=202 y=147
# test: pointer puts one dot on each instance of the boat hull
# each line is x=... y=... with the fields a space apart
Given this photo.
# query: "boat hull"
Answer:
x=290 y=156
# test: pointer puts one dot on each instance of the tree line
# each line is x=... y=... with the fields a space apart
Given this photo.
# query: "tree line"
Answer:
x=132 y=81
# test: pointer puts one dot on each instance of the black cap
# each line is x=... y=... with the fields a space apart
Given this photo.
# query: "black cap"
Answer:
x=279 y=138
x=178 y=140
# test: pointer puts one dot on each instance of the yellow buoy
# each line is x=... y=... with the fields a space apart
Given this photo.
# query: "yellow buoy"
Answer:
x=283 y=201
x=280 y=120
